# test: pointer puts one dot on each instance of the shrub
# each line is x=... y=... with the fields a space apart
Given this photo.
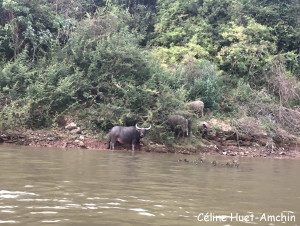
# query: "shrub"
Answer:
x=203 y=82
x=15 y=77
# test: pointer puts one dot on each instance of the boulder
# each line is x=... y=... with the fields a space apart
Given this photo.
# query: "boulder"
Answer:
x=71 y=126
x=80 y=143
x=76 y=131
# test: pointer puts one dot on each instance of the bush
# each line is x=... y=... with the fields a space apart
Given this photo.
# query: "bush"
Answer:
x=248 y=51
x=15 y=77
x=15 y=115
x=202 y=82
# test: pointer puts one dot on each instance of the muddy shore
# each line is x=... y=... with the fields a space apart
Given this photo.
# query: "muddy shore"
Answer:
x=222 y=143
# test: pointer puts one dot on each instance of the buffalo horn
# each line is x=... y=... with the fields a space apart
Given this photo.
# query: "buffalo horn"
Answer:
x=136 y=126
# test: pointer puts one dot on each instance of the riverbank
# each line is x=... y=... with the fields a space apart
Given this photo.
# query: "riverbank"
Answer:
x=226 y=143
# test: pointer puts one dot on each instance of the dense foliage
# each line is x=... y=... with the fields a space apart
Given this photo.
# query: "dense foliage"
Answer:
x=126 y=61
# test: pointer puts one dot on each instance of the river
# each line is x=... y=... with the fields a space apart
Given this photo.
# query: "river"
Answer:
x=44 y=186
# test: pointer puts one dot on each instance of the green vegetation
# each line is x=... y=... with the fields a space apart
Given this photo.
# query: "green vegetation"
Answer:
x=121 y=62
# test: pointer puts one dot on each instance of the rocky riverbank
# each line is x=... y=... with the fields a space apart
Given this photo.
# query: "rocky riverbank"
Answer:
x=225 y=142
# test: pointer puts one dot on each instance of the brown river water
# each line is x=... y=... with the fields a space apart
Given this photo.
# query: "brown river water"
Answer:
x=43 y=186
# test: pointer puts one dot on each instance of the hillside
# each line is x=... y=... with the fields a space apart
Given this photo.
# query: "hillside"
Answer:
x=121 y=62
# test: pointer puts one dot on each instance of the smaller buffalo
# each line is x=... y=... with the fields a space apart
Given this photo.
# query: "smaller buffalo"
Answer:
x=205 y=130
x=197 y=106
x=127 y=135
x=179 y=125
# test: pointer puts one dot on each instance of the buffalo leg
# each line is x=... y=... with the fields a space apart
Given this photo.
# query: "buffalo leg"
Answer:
x=112 y=145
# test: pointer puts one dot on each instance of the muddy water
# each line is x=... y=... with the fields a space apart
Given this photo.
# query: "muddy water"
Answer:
x=79 y=187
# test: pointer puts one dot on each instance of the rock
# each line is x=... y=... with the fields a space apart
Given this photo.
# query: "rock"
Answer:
x=234 y=163
x=229 y=164
x=76 y=131
x=185 y=152
x=4 y=137
x=217 y=149
x=81 y=137
x=71 y=126
x=80 y=143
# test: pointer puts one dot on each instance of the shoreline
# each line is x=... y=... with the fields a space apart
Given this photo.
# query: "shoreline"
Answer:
x=216 y=146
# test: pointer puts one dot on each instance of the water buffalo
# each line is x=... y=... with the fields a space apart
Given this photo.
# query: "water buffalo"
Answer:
x=126 y=135
x=205 y=129
x=197 y=106
x=179 y=125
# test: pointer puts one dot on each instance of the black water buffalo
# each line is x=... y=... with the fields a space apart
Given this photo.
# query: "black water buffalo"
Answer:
x=126 y=135
x=179 y=125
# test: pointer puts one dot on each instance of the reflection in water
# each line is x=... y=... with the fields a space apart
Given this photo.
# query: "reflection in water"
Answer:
x=80 y=187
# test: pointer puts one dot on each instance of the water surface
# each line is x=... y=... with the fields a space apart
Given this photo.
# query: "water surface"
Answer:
x=41 y=186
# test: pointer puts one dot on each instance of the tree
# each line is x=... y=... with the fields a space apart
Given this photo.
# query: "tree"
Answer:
x=282 y=15
x=25 y=18
x=14 y=10
x=248 y=51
